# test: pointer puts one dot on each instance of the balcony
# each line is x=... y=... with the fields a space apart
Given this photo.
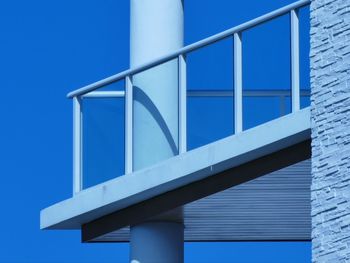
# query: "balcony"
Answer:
x=108 y=187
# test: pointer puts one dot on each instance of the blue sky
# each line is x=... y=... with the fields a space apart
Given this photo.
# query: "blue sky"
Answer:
x=49 y=48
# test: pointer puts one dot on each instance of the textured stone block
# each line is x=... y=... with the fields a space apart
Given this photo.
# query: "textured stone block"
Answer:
x=330 y=111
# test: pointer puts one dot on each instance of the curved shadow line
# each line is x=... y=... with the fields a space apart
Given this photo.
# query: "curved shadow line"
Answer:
x=140 y=96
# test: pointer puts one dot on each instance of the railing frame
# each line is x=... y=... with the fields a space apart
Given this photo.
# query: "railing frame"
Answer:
x=295 y=67
x=238 y=82
x=128 y=125
x=183 y=51
x=182 y=104
x=77 y=145
x=90 y=91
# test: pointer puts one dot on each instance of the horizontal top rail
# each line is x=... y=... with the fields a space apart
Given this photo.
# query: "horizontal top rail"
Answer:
x=209 y=93
x=182 y=51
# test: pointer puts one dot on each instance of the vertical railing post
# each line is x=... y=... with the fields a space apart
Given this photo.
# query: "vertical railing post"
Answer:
x=77 y=145
x=128 y=125
x=295 y=78
x=238 y=82
x=182 y=104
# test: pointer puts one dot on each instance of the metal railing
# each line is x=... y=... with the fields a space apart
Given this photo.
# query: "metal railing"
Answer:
x=90 y=91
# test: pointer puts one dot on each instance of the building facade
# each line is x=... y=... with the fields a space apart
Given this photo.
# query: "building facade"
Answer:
x=330 y=123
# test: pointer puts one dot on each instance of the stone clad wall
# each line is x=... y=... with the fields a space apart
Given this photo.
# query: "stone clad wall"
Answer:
x=330 y=109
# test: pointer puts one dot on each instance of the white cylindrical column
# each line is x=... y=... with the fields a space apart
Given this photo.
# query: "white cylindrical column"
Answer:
x=156 y=29
x=154 y=242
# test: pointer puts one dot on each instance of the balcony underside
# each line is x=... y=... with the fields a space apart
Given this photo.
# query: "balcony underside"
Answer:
x=274 y=207
x=212 y=183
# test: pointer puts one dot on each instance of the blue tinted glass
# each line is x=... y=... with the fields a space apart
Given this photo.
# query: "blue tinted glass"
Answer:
x=103 y=139
x=208 y=119
x=266 y=55
x=287 y=105
x=258 y=110
x=266 y=72
x=304 y=102
x=211 y=67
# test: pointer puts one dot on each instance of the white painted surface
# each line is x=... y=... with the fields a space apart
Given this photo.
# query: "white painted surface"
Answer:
x=177 y=171
x=156 y=29
x=153 y=242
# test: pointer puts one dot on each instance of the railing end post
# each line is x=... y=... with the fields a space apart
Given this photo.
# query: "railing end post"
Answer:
x=77 y=144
